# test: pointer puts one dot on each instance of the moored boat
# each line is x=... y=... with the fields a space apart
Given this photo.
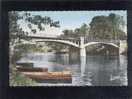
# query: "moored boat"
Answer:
x=31 y=69
x=52 y=76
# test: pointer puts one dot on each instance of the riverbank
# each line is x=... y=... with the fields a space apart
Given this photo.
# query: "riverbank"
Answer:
x=18 y=79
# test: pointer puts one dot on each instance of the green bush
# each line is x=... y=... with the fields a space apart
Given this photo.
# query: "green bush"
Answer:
x=17 y=79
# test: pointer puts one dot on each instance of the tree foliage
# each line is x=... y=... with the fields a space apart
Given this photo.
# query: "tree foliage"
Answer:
x=82 y=31
x=101 y=27
x=18 y=79
x=14 y=28
x=18 y=35
x=107 y=27
x=39 y=22
x=78 y=32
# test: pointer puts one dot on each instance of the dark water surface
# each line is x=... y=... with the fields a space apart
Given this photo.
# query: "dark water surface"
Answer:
x=97 y=71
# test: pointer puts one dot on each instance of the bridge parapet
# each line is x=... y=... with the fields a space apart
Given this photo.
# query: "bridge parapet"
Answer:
x=74 y=42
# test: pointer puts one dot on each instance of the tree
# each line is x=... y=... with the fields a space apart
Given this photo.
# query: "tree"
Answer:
x=117 y=24
x=68 y=34
x=17 y=33
x=78 y=32
x=14 y=29
x=100 y=27
x=17 y=36
x=82 y=31
x=107 y=27
x=39 y=22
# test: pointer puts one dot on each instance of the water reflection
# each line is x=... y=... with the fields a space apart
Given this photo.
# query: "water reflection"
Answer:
x=92 y=70
x=83 y=65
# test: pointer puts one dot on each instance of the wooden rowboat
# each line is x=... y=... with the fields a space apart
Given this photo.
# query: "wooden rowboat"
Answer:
x=52 y=76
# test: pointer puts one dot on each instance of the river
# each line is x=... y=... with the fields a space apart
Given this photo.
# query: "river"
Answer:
x=98 y=70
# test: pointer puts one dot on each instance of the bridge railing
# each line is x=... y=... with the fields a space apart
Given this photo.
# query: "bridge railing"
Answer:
x=77 y=40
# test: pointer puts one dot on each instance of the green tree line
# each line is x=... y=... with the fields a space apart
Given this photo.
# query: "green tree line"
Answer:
x=100 y=27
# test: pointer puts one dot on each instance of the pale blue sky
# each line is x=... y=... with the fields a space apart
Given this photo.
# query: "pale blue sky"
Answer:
x=74 y=19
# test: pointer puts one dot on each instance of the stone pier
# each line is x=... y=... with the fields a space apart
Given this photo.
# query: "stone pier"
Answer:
x=82 y=56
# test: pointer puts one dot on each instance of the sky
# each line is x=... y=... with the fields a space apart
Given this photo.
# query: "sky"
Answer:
x=74 y=19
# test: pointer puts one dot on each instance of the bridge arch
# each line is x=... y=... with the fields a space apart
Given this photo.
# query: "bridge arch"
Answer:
x=93 y=43
x=60 y=41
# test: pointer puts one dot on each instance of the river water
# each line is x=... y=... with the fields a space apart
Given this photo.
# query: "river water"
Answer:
x=97 y=71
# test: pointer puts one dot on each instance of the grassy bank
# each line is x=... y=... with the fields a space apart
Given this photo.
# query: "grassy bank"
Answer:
x=17 y=79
